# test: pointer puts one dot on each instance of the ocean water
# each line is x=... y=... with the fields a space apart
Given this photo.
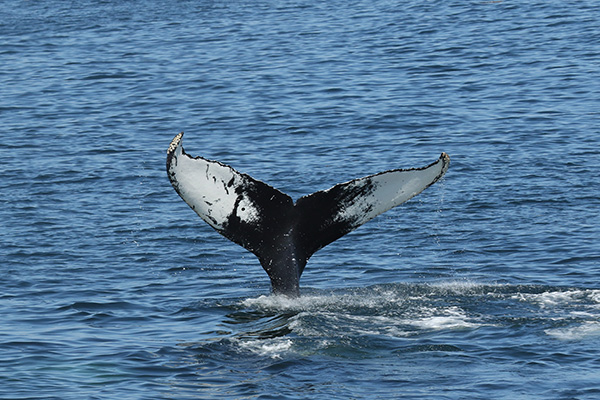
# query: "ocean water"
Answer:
x=485 y=286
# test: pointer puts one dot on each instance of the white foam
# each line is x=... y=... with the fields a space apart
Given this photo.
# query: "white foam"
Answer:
x=340 y=325
x=553 y=299
x=585 y=330
x=594 y=296
x=273 y=348
x=450 y=318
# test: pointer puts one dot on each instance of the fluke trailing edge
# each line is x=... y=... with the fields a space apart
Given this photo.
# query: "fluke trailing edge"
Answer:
x=281 y=233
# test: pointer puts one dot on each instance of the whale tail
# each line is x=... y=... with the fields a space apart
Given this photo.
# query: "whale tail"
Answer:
x=281 y=233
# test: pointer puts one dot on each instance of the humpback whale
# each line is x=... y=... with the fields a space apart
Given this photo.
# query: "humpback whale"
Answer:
x=281 y=233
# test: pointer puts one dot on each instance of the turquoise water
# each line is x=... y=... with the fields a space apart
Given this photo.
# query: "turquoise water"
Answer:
x=484 y=286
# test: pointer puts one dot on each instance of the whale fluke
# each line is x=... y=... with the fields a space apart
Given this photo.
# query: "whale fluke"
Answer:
x=281 y=233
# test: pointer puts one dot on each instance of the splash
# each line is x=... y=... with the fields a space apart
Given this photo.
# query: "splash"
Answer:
x=395 y=311
x=357 y=299
x=350 y=322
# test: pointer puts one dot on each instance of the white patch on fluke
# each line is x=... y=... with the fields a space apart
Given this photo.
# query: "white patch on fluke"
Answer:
x=209 y=188
x=390 y=189
x=247 y=211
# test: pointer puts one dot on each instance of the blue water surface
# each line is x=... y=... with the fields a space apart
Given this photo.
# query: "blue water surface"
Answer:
x=485 y=286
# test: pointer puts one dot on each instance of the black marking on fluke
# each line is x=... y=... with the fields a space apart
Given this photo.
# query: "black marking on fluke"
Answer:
x=281 y=233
